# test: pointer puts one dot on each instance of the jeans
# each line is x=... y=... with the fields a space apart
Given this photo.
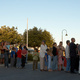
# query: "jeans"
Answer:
x=49 y=62
x=12 y=62
x=18 y=62
x=55 y=61
x=6 y=59
x=68 y=64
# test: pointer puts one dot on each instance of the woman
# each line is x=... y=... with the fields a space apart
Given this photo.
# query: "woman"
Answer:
x=55 y=57
x=24 y=53
x=6 y=53
x=43 y=49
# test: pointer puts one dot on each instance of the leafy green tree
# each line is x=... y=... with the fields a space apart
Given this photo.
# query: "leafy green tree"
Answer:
x=10 y=34
x=36 y=36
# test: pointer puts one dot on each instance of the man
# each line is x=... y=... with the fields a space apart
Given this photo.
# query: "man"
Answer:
x=43 y=49
x=67 y=51
x=73 y=54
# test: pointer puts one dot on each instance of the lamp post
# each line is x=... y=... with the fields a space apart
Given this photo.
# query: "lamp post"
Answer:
x=65 y=34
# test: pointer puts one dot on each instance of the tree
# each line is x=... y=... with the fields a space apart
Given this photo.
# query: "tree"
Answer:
x=48 y=38
x=10 y=34
x=36 y=36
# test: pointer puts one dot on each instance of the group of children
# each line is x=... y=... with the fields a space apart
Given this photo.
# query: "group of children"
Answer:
x=18 y=57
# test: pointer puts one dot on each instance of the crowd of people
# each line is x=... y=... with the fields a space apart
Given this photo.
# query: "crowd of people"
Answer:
x=59 y=58
x=56 y=58
x=16 y=55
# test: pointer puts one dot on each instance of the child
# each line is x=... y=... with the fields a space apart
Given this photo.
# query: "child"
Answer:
x=23 y=53
x=49 y=52
x=12 y=57
x=35 y=58
x=18 y=65
x=46 y=60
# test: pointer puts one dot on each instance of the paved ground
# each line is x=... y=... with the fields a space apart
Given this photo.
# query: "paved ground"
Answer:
x=29 y=74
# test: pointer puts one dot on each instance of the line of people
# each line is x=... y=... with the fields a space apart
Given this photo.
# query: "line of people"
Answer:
x=52 y=59
x=17 y=55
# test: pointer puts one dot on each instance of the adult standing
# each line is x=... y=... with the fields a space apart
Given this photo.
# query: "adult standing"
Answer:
x=55 y=58
x=60 y=53
x=43 y=49
x=67 y=51
x=6 y=54
x=79 y=57
x=73 y=54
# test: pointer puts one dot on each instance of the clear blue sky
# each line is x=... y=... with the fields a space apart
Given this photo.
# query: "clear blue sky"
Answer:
x=52 y=15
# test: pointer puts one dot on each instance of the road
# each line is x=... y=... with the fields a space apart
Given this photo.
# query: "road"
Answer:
x=29 y=74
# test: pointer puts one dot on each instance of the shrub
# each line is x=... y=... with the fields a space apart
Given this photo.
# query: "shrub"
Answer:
x=30 y=57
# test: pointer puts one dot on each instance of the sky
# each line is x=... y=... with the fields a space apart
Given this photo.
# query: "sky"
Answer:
x=52 y=15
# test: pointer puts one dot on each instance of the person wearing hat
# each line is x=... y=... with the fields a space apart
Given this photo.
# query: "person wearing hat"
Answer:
x=43 y=49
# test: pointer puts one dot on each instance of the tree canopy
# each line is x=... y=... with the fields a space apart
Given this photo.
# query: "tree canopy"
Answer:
x=10 y=34
x=35 y=37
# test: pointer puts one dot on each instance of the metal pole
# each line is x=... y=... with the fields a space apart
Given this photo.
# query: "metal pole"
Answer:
x=62 y=33
x=27 y=34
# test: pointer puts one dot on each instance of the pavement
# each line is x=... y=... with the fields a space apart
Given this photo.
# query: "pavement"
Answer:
x=29 y=74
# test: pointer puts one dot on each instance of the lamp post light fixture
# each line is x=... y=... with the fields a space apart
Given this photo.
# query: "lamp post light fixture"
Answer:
x=65 y=34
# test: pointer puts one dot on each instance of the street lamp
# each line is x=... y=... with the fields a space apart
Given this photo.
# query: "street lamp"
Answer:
x=65 y=34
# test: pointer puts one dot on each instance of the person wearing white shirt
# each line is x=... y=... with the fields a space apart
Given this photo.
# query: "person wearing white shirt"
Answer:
x=43 y=49
x=67 y=51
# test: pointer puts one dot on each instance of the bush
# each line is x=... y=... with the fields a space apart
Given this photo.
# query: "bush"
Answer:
x=30 y=57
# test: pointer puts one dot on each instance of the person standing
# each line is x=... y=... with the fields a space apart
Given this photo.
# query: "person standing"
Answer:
x=55 y=58
x=79 y=57
x=23 y=53
x=50 y=55
x=35 y=59
x=6 y=54
x=18 y=65
x=73 y=54
x=60 y=55
x=43 y=49
x=13 y=57
x=2 y=53
x=67 y=52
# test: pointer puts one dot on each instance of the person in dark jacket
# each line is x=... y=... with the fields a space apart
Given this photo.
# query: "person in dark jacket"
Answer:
x=55 y=58
x=73 y=54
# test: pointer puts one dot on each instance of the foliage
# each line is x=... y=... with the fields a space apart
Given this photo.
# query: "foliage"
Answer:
x=30 y=57
x=10 y=34
x=35 y=37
